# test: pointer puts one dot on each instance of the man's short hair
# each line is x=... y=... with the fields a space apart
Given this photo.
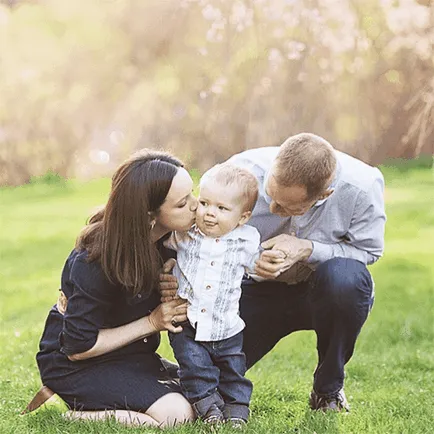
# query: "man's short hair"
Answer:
x=228 y=174
x=305 y=160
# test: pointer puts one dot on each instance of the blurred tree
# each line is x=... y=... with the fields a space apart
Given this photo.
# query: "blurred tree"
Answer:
x=208 y=78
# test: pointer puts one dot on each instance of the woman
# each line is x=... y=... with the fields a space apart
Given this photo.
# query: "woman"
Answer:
x=100 y=354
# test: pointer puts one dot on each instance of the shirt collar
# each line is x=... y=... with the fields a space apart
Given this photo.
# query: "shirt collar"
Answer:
x=264 y=183
x=196 y=230
x=332 y=185
x=239 y=232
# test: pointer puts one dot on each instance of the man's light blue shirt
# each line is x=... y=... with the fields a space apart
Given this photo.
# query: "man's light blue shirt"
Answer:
x=349 y=223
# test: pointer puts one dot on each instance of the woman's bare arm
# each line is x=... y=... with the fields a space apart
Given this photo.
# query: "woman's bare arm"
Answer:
x=160 y=319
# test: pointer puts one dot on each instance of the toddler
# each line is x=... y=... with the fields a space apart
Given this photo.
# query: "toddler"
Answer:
x=212 y=259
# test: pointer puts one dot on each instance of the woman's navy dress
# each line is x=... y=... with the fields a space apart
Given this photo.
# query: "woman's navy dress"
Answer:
x=131 y=377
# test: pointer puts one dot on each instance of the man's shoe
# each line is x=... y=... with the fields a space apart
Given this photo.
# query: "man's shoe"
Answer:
x=335 y=402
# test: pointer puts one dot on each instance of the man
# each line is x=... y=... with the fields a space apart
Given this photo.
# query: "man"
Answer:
x=324 y=210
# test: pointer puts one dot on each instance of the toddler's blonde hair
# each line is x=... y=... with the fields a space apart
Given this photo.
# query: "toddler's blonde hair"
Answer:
x=228 y=174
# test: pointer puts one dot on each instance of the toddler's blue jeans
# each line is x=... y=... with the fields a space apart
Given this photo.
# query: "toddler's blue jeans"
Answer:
x=213 y=373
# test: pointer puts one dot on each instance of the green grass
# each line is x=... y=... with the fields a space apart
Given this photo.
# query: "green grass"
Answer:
x=390 y=380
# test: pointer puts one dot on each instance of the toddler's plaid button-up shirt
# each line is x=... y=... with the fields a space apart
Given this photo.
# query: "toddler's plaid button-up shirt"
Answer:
x=209 y=272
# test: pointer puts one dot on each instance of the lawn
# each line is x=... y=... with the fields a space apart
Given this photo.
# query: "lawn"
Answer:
x=390 y=380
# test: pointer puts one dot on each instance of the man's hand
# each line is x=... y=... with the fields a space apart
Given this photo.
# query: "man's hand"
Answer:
x=292 y=248
x=168 y=282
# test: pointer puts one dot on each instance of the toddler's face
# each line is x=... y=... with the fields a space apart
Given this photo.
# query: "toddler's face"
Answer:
x=220 y=209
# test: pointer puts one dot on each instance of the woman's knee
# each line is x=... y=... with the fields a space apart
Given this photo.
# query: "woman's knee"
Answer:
x=125 y=417
x=171 y=409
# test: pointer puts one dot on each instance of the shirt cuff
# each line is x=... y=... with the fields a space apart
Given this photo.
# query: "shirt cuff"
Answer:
x=69 y=346
x=320 y=253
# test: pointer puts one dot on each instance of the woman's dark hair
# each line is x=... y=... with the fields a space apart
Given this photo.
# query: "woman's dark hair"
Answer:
x=119 y=234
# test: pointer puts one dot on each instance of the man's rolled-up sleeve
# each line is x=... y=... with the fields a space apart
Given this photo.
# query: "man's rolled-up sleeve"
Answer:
x=364 y=240
x=87 y=308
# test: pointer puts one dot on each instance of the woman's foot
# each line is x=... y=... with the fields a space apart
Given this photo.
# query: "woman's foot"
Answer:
x=45 y=398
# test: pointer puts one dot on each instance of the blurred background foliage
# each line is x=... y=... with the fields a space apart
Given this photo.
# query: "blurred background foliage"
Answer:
x=84 y=83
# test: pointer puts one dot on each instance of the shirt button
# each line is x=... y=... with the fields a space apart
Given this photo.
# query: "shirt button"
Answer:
x=212 y=263
x=145 y=340
x=139 y=295
x=208 y=286
x=203 y=310
x=217 y=240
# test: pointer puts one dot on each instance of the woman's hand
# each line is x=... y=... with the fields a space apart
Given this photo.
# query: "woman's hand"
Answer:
x=167 y=315
x=62 y=303
x=168 y=282
x=164 y=317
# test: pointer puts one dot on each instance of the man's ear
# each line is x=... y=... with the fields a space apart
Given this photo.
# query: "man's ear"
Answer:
x=245 y=217
x=326 y=194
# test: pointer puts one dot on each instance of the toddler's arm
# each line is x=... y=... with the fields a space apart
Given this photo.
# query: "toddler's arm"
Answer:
x=270 y=256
